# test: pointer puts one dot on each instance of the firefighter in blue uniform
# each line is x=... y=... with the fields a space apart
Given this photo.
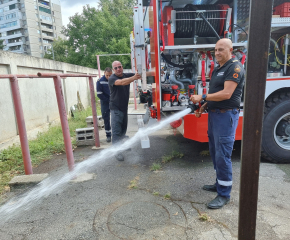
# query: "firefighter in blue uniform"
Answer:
x=103 y=93
x=223 y=103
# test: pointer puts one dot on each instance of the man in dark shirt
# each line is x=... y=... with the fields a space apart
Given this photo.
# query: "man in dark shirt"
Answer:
x=223 y=102
x=103 y=93
x=119 y=84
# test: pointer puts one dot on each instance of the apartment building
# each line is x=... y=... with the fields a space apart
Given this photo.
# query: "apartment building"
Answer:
x=30 y=26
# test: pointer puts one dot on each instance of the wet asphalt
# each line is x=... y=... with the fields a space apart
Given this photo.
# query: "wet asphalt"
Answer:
x=127 y=200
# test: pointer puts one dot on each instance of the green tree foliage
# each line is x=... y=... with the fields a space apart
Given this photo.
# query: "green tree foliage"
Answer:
x=105 y=30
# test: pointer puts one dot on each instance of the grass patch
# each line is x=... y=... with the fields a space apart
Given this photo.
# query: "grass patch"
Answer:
x=204 y=217
x=167 y=196
x=204 y=153
x=134 y=183
x=155 y=167
x=174 y=154
x=41 y=149
x=156 y=193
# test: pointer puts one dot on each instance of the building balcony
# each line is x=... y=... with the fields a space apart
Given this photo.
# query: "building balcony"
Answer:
x=17 y=51
x=44 y=28
x=13 y=44
x=47 y=34
x=13 y=36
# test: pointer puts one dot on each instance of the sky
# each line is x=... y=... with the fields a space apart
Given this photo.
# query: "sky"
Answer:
x=70 y=7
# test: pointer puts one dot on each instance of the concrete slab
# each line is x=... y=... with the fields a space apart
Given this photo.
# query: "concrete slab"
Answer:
x=101 y=147
x=26 y=180
x=83 y=177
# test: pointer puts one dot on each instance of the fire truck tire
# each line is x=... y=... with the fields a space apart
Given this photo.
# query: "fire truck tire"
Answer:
x=276 y=128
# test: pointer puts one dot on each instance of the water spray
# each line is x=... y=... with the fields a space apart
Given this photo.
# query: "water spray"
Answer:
x=51 y=185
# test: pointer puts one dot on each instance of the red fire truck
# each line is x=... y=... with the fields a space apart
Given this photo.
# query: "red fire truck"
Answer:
x=173 y=48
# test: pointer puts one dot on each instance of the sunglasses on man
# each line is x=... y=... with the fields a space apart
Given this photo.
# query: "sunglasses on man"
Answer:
x=119 y=67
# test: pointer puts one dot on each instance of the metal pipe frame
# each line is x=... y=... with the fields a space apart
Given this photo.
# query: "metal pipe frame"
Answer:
x=62 y=75
x=94 y=110
x=99 y=68
x=17 y=76
x=64 y=122
x=21 y=125
x=62 y=112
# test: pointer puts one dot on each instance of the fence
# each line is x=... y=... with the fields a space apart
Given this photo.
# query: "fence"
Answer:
x=62 y=113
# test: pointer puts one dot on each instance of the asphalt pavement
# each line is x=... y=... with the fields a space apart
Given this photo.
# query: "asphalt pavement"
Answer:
x=127 y=200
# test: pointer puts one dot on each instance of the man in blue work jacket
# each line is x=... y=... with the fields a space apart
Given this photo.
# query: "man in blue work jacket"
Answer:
x=223 y=105
x=103 y=93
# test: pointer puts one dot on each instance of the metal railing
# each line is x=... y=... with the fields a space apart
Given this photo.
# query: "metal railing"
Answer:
x=62 y=113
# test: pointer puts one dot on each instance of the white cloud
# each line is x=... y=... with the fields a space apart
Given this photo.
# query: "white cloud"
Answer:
x=70 y=10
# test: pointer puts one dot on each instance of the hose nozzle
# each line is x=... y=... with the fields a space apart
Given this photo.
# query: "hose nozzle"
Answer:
x=193 y=107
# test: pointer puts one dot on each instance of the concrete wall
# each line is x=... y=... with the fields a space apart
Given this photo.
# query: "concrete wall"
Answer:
x=37 y=95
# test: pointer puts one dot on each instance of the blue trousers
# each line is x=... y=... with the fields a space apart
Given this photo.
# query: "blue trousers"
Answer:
x=221 y=134
x=106 y=116
x=119 y=125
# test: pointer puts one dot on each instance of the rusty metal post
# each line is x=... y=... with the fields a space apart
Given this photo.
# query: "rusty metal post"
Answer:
x=99 y=68
x=257 y=60
x=21 y=125
x=94 y=110
x=64 y=122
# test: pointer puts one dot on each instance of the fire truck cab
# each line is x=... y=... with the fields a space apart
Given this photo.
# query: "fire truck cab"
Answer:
x=173 y=48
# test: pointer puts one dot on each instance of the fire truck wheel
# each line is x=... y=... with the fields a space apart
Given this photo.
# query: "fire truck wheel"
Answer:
x=276 y=128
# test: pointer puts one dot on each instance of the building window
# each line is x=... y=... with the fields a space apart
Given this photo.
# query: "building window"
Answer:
x=1 y=18
x=9 y=33
x=11 y=7
x=15 y=48
x=36 y=15
x=45 y=18
x=40 y=47
x=42 y=9
x=14 y=40
x=38 y=31
x=1 y=10
x=26 y=39
x=7 y=25
x=11 y=15
x=39 y=39
x=44 y=3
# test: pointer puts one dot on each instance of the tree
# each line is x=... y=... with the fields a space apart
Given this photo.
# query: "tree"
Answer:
x=105 y=30
x=59 y=50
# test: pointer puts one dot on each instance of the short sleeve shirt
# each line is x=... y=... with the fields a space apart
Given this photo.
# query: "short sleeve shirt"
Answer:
x=232 y=70
x=119 y=98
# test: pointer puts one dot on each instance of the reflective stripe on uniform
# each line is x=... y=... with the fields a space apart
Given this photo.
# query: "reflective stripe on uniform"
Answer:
x=104 y=83
x=99 y=92
x=108 y=131
x=225 y=183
